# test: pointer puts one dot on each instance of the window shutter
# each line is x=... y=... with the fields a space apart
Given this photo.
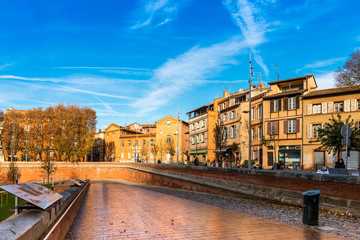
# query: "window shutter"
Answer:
x=269 y=128
x=285 y=104
x=279 y=100
x=347 y=105
x=308 y=131
x=353 y=104
x=276 y=127
x=285 y=127
x=330 y=107
x=324 y=107
x=297 y=102
x=297 y=125
x=271 y=106
x=309 y=109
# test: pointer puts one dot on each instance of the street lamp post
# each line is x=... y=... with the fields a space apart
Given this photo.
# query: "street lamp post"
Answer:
x=250 y=85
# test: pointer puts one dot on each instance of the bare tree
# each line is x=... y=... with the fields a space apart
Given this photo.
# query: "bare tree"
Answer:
x=349 y=74
x=162 y=147
x=220 y=137
x=170 y=147
x=154 y=150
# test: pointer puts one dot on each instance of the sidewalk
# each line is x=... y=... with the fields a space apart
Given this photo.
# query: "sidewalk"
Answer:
x=118 y=211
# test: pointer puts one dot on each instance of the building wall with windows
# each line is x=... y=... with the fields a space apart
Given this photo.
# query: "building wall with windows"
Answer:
x=199 y=134
x=283 y=112
x=166 y=129
x=319 y=106
x=257 y=128
x=234 y=124
x=125 y=144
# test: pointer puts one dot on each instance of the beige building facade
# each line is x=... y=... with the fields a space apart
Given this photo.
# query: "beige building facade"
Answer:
x=319 y=107
x=171 y=131
x=283 y=120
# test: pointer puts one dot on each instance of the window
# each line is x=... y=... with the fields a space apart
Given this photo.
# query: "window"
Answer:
x=113 y=135
x=291 y=126
x=252 y=134
x=358 y=104
x=197 y=138
x=272 y=128
x=122 y=155
x=136 y=142
x=203 y=123
x=39 y=126
x=144 y=143
x=292 y=103
x=252 y=113
x=316 y=108
x=152 y=142
x=168 y=123
x=229 y=132
x=122 y=143
x=160 y=132
x=338 y=107
x=202 y=137
x=316 y=128
x=234 y=115
x=129 y=155
x=26 y=127
x=193 y=140
x=129 y=143
x=235 y=131
x=276 y=105
x=259 y=133
x=260 y=112
x=168 y=138
x=226 y=116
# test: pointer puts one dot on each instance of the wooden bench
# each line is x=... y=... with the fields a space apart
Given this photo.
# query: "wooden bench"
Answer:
x=4 y=194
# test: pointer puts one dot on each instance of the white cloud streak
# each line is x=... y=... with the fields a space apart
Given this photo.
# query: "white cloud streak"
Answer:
x=326 y=80
x=75 y=90
x=319 y=64
x=247 y=17
x=73 y=79
x=6 y=65
x=155 y=10
x=187 y=70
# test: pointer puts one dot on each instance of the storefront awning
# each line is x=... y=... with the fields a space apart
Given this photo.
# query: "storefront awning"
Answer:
x=198 y=152
x=223 y=149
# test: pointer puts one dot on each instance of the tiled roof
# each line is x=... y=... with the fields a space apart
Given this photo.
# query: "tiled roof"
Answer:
x=290 y=93
x=291 y=79
x=330 y=91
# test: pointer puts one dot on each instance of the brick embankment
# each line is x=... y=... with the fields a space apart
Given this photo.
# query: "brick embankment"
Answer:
x=338 y=193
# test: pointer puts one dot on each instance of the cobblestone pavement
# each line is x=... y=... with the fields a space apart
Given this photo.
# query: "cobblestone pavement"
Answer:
x=119 y=211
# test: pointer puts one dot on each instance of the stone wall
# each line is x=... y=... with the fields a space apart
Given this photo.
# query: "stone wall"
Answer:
x=338 y=193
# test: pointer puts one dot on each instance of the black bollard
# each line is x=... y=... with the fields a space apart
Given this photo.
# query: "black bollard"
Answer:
x=311 y=207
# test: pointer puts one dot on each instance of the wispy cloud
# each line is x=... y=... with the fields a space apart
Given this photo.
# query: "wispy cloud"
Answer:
x=159 y=12
x=248 y=17
x=75 y=90
x=6 y=65
x=82 y=79
x=325 y=80
x=178 y=75
x=319 y=64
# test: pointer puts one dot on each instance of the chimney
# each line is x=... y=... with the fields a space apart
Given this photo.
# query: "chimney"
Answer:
x=226 y=93
x=241 y=90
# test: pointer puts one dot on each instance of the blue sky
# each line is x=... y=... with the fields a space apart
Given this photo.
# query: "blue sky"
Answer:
x=137 y=60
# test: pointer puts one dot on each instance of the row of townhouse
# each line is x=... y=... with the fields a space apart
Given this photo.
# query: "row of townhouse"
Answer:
x=135 y=142
x=284 y=119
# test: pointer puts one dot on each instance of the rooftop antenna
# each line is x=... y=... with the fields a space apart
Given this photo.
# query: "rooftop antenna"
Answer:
x=277 y=70
x=259 y=78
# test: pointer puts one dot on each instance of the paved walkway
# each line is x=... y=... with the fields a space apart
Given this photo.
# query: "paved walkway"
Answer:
x=119 y=211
